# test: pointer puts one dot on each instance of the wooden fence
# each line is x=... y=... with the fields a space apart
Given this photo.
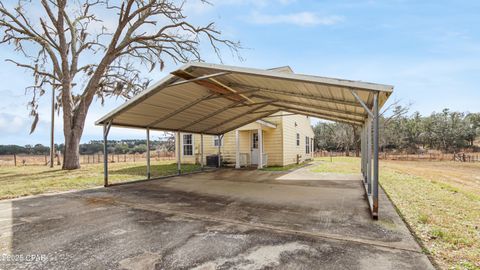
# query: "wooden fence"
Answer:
x=27 y=160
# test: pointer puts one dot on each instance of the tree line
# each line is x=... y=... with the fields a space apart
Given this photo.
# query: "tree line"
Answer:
x=447 y=131
x=94 y=147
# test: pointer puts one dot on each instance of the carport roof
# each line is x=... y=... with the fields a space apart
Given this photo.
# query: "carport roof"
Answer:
x=215 y=99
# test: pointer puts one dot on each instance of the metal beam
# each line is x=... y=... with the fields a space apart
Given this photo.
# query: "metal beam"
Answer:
x=362 y=103
x=213 y=85
x=235 y=117
x=335 y=119
x=179 y=110
x=249 y=121
x=148 y=153
x=299 y=95
x=200 y=78
x=158 y=128
x=312 y=106
x=211 y=114
x=319 y=113
x=232 y=94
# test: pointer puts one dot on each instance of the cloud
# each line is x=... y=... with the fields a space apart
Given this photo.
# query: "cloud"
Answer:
x=12 y=124
x=300 y=18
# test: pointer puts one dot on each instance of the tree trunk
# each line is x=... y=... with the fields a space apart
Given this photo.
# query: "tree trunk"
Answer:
x=71 y=156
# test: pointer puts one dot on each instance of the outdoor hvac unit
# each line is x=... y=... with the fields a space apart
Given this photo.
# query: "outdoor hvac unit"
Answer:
x=212 y=161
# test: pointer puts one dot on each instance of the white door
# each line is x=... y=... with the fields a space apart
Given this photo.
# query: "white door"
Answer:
x=254 y=148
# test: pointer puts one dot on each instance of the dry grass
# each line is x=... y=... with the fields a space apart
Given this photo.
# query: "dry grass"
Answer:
x=30 y=180
x=439 y=200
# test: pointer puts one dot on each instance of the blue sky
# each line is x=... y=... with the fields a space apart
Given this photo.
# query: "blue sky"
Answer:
x=429 y=50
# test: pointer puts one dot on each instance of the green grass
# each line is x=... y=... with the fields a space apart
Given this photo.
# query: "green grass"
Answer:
x=285 y=168
x=444 y=218
x=346 y=165
x=31 y=180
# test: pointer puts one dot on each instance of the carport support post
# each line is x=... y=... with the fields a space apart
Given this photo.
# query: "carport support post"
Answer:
x=375 y=155
x=260 y=148
x=148 y=153
x=365 y=162
x=369 y=156
x=219 y=151
x=106 y=129
x=362 y=152
x=237 y=150
x=177 y=146
x=201 y=152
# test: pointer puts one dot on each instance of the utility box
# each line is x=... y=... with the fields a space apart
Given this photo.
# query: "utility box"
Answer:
x=212 y=161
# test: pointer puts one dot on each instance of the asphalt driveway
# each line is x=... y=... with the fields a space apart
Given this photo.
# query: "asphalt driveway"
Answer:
x=227 y=219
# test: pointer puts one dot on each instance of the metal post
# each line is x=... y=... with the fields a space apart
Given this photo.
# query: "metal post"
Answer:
x=362 y=151
x=52 y=131
x=148 y=153
x=369 y=155
x=375 y=155
x=202 y=164
x=237 y=149
x=106 y=129
x=260 y=148
x=219 y=151
x=178 y=145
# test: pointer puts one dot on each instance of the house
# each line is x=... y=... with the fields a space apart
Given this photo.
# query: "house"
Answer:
x=286 y=138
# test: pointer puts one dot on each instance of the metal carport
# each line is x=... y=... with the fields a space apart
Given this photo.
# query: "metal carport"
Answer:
x=214 y=99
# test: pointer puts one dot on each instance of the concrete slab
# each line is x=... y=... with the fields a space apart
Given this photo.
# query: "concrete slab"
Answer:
x=226 y=219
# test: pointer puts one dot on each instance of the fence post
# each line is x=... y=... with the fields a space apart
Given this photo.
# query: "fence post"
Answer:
x=15 y=160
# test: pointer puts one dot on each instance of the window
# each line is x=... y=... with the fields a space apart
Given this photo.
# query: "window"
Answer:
x=187 y=144
x=307 y=145
x=311 y=145
x=298 y=139
x=216 y=140
x=255 y=140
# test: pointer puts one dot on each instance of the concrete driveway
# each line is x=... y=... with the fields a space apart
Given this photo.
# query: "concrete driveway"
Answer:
x=227 y=219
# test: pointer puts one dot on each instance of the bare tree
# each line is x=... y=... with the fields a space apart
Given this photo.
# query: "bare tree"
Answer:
x=70 y=48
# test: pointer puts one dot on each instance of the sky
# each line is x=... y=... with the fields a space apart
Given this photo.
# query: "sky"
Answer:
x=429 y=51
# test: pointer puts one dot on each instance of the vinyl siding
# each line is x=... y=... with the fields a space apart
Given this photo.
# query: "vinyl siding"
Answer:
x=279 y=143
x=290 y=130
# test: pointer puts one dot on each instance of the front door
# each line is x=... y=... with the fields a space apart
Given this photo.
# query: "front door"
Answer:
x=254 y=148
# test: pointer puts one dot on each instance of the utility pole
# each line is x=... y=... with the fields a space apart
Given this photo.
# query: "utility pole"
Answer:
x=52 y=131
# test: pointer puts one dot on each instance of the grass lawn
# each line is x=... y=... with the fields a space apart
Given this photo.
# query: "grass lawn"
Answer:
x=285 y=168
x=30 y=180
x=439 y=200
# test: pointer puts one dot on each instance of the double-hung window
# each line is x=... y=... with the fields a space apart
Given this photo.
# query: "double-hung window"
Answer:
x=217 y=141
x=307 y=145
x=187 y=144
x=298 y=139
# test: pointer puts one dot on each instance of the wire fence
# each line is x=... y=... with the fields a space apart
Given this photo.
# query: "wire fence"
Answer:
x=28 y=160
x=457 y=157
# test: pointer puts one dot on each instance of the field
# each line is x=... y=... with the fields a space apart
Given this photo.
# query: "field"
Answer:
x=440 y=200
